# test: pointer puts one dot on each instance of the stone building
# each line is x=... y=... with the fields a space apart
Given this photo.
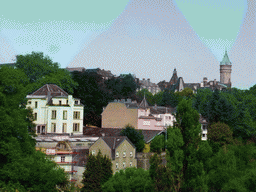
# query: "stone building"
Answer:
x=146 y=84
x=55 y=111
x=177 y=83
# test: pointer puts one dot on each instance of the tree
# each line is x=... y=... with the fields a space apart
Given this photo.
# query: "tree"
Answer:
x=187 y=92
x=188 y=123
x=41 y=70
x=170 y=99
x=130 y=179
x=93 y=95
x=219 y=134
x=136 y=137
x=148 y=95
x=98 y=171
x=157 y=144
x=22 y=167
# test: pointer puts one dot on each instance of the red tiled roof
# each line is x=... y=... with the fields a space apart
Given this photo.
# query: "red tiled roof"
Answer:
x=52 y=89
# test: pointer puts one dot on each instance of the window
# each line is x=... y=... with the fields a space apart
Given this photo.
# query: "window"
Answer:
x=64 y=127
x=204 y=127
x=36 y=104
x=35 y=116
x=64 y=115
x=117 y=154
x=93 y=152
x=166 y=117
x=29 y=102
x=53 y=114
x=203 y=135
x=130 y=154
x=146 y=122
x=43 y=129
x=116 y=165
x=123 y=164
x=76 y=102
x=53 y=127
x=38 y=129
x=124 y=154
x=67 y=101
x=75 y=127
x=62 y=159
x=130 y=163
x=76 y=115
x=59 y=102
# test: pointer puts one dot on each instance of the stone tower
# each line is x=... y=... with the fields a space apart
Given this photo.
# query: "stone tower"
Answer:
x=225 y=70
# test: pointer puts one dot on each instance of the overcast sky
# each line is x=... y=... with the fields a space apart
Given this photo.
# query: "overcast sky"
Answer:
x=146 y=37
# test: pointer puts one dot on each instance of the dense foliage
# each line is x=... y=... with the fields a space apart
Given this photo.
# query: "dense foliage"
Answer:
x=130 y=179
x=41 y=70
x=22 y=167
x=98 y=171
x=135 y=136
x=157 y=144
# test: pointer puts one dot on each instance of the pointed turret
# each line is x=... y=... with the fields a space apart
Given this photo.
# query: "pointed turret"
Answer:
x=174 y=78
x=225 y=60
x=144 y=103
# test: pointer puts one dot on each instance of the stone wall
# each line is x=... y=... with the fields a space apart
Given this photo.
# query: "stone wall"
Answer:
x=143 y=160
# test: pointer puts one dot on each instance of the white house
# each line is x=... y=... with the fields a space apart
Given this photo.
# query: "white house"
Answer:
x=56 y=111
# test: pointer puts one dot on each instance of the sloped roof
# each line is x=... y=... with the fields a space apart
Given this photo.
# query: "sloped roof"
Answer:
x=174 y=78
x=114 y=132
x=80 y=69
x=161 y=110
x=51 y=89
x=144 y=103
x=225 y=60
x=114 y=142
x=80 y=156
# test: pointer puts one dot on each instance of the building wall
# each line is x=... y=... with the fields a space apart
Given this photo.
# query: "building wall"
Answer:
x=102 y=146
x=149 y=124
x=44 y=113
x=225 y=73
x=117 y=115
x=126 y=147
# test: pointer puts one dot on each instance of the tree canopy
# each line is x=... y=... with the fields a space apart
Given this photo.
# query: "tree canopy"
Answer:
x=135 y=136
x=22 y=167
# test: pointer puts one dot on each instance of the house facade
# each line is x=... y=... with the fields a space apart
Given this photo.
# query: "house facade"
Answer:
x=120 y=113
x=55 y=111
x=146 y=84
x=119 y=149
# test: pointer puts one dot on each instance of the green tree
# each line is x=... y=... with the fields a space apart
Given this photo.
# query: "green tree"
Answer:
x=170 y=99
x=188 y=122
x=158 y=97
x=136 y=137
x=219 y=134
x=157 y=144
x=130 y=179
x=22 y=167
x=93 y=95
x=187 y=92
x=98 y=171
x=148 y=95
x=41 y=70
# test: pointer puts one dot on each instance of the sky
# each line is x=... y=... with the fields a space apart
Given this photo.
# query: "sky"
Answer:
x=146 y=37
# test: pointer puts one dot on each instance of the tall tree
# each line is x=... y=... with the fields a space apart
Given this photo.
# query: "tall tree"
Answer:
x=93 y=95
x=22 y=167
x=98 y=171
x=130 y=179
x=188 y=122
x=135 y=136
x=41 y=70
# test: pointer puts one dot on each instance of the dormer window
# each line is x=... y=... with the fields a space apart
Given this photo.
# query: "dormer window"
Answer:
x=76 y=102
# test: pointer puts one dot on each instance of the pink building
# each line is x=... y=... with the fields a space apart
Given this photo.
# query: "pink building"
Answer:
x=120 y=113
x=154 y=117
